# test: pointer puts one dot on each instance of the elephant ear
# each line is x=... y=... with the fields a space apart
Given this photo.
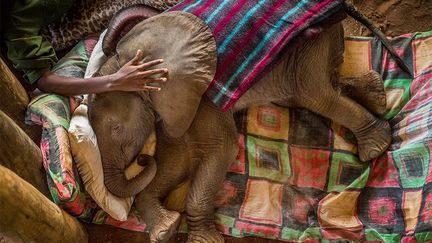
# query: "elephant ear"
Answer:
x=122 y=22
x=188 y=49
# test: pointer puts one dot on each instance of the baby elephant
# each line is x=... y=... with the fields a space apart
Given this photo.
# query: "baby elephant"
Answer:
x=196 y=141
x=201 y=156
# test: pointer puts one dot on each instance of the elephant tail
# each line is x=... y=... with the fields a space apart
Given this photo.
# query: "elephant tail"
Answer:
x=352 y=11
x=119 y=185
x=123 y=21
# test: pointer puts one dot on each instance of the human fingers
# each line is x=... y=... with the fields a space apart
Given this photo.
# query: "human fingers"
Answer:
x=153 y=80
x=153 y=71
x=150 y=64
x=137 y=58
x=151 y=88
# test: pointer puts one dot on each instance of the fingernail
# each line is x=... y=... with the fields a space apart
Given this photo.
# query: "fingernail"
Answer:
x=159 y=89
x=160 y=60
x=163 y=79
x=166 y=70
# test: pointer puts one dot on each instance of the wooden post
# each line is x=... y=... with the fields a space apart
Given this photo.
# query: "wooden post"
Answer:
x=14 y=101
x=21 y=155
x=28 y=215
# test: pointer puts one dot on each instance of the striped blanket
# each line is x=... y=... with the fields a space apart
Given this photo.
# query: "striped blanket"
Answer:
x=251 y=37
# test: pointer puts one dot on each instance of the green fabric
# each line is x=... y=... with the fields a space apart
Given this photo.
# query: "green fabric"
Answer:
x=27 y=49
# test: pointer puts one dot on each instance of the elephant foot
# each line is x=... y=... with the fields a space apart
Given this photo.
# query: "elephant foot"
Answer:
x=165 y=227
x=367 y=89
x=374 y=96
x=374 y=141
x=205 y=236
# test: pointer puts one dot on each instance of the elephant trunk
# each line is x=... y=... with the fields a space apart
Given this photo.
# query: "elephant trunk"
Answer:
x=119 y=185
x=124 y=21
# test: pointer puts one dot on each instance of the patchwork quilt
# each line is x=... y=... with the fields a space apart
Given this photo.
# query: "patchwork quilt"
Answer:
x=297 y=176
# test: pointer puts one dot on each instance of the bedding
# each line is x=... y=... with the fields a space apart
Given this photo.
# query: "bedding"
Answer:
x=297 y=176
x=53 y=113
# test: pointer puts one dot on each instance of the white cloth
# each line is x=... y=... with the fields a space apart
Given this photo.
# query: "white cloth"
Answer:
x=97 y=58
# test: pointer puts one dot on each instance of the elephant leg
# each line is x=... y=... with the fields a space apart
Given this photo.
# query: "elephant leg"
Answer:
x=163 y=223
x=373 y=135
x=171 y=172
x=316 y=65
x=200 y=202
x=214 y=139
x=205 y=184
x=367 y=89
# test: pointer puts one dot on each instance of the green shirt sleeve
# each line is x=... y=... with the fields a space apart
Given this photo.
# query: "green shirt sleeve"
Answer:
x=33 y=55
x=27 y=49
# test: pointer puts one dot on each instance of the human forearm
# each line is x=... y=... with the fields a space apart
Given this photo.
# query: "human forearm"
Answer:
x=133 y=76
x=70 y=86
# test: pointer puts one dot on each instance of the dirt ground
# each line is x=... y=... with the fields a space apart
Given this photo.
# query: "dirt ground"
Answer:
x=393 y=17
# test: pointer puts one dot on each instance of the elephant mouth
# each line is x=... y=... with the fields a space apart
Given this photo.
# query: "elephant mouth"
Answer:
x=142 y=162
x=144 y=159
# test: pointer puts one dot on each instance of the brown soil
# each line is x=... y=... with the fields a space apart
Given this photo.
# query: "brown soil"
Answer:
x=393 y=17
x=109 y=234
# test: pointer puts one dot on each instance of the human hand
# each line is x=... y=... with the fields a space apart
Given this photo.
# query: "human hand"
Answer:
x=136 y=77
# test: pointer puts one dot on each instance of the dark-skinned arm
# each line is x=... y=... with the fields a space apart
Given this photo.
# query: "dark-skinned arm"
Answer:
x=133 y=76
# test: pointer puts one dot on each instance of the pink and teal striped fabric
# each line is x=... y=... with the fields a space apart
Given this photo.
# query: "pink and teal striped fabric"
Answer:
x=252 y=36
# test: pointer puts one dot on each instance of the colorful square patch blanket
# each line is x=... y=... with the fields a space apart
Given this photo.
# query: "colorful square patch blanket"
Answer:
x=297 y=176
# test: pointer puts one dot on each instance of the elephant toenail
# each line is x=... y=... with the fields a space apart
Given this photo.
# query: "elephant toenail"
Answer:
x=373 y=154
